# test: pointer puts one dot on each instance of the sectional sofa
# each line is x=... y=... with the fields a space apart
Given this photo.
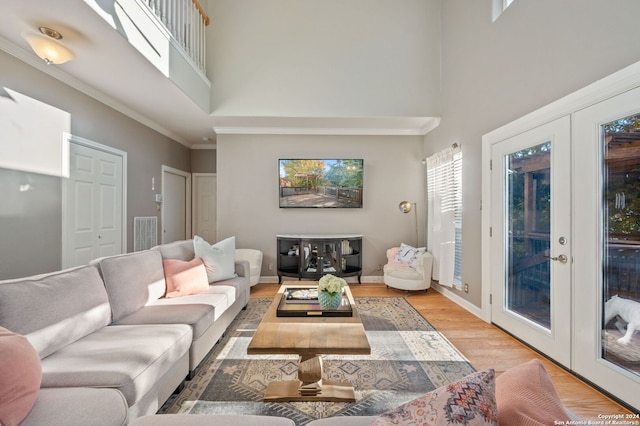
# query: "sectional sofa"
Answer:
x=102 y=345
x=111 y=347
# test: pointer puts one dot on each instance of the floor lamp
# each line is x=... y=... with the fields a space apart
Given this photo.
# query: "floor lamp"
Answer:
x=406 y=207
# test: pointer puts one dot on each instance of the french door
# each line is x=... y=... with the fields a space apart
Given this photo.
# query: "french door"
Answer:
x=607 y=245
x=531 y=237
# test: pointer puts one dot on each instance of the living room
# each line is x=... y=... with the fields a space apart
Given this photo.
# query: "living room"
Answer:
x=430 y=59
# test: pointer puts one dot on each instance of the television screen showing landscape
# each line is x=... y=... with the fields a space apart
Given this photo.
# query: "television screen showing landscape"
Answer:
x=321 y=183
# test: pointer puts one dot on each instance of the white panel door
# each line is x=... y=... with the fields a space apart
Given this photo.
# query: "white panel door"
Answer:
x=204 y=206
x=176 y=204
x=607 y=245
x=93 y=205
x=530 y=227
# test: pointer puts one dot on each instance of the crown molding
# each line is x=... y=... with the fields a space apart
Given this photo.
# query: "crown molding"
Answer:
x=204 y=146
x=360 y=126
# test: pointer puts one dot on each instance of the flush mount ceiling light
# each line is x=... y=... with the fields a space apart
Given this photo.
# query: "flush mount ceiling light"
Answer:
x=47 y=47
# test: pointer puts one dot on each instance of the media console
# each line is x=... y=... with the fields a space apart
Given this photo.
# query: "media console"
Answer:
x=311 y=256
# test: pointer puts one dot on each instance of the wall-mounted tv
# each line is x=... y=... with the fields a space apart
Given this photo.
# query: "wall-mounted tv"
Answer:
x=320 y=183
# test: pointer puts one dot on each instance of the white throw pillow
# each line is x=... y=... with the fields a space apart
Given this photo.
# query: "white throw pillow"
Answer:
x=410 y=255
x=219 y=259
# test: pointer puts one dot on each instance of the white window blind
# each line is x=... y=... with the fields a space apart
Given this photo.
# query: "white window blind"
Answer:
x=444 y=200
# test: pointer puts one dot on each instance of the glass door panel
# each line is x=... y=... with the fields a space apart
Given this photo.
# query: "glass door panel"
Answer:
x=607 y=244
x=620 y=148
x=530 y=250
x=311 y=258
x=528 y=185
x=330 y=258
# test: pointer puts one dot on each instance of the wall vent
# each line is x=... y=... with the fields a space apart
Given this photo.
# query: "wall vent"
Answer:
x=145 y=232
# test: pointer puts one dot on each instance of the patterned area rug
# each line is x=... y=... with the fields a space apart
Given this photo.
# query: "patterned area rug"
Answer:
x=409 y=357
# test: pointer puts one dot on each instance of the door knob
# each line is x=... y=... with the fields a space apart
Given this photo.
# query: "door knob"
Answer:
x=561 y=258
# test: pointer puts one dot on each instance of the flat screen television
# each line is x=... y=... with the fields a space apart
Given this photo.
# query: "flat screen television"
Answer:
x=320 y=183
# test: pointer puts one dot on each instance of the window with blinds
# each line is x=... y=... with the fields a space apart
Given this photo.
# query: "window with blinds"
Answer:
x=444 y=218
x=457 y=196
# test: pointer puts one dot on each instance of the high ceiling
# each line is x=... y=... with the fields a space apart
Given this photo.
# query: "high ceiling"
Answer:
x=109 y=69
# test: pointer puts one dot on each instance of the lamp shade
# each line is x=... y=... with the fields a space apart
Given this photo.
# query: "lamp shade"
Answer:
x=49 y=49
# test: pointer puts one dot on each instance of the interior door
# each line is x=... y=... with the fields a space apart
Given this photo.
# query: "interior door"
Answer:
x=204 y=206
x=607 y=245
x=176 y=204
x=93 y=207
x=530 y=237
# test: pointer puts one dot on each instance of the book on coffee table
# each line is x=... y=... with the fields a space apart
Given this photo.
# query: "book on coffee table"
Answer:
x=302 y=295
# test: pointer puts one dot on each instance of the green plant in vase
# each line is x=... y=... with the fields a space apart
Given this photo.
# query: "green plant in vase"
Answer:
x=330 y=291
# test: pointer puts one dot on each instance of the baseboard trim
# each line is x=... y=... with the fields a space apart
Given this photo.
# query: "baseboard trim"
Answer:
x=459 y=300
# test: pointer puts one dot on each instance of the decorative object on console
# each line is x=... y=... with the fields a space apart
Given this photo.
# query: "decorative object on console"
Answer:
x=330 y=291
x=219 y=258
x=406 y=207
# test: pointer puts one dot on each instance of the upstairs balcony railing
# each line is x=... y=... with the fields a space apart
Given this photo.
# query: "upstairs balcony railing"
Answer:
x=186 y=20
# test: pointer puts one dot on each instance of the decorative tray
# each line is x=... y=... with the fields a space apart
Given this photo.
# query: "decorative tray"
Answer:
x=303 y=302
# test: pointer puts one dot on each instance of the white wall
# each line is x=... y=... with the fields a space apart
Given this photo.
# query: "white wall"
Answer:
x=325 y=58
x=536 y=52
x=247 y=170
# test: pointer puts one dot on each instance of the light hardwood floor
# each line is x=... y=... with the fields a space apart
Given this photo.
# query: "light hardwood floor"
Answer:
x=484 y=345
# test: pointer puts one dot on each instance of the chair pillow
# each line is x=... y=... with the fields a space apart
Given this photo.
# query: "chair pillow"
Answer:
x=184 y=278
x=409 y=255
x=219 y=259
x=470 y=401
x=526 y=396
x=20 y=377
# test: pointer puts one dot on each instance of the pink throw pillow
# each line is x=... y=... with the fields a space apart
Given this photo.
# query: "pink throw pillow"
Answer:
x=469 y=401
x=20 y=376
x=393 y=253
x=184 y=278
x=526 y=396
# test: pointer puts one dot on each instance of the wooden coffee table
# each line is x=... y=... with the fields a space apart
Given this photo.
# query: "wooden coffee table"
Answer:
x=309 y=337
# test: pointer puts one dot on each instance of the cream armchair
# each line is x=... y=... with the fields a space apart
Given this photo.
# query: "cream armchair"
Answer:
x=404 y=277
x=255 y=263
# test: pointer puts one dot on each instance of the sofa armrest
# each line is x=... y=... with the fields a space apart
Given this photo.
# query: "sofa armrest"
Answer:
x=242 y=268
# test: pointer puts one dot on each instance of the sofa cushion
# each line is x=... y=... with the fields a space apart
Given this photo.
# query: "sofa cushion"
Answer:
x=198 y=316
x=220 y=297
x=20 y=376
x=57 y=309
x=526 y=396
x=78 y=407
x=129 y=358
x=185 y=277
x=132 y=280
x=469 y=401
x=219 y=258
x=181 y=250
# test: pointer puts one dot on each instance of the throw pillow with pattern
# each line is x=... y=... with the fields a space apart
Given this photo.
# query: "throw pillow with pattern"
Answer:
x=470 y=401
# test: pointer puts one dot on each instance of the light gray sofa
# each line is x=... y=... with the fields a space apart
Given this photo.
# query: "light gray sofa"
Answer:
x=112 y=348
